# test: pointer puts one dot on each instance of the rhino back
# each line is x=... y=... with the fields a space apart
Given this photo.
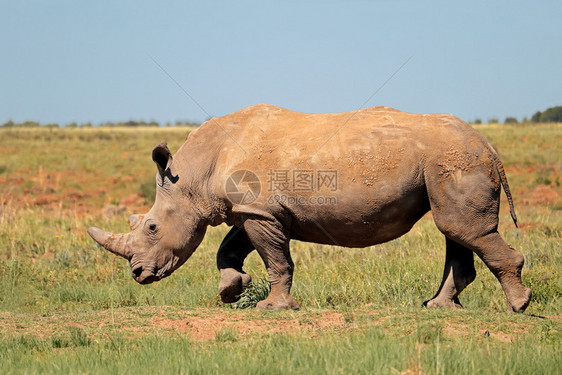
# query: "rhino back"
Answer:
x=267 y=134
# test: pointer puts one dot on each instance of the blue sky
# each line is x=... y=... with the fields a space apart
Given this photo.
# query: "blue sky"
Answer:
x=64 y=61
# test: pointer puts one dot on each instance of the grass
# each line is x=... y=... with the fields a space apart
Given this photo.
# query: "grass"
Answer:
x=411 y=341
x=66 y=306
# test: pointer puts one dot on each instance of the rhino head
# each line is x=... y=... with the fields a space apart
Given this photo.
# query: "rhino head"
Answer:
x=163 y=239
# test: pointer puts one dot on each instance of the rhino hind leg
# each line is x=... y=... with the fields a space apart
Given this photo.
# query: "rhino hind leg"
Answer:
x=459 y=272
x=506 y=264
x=233 y=250
x=503 y=260
x=272 y=243
x=465 y=209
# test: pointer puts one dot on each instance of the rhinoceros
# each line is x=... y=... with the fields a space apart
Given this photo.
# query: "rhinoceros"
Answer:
x=351 y=179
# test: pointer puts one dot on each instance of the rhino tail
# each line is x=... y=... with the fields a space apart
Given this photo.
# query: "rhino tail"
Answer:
x=505 y=185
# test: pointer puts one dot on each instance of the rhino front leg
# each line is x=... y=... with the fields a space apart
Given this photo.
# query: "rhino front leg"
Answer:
x=233 y=250
x=271 y=240
x=458 y=274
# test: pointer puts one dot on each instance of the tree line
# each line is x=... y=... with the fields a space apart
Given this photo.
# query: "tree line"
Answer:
x=552 y=114
x=72 y=125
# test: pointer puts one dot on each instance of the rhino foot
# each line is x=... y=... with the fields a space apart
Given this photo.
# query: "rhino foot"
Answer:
x=232 y=284
x=442 y=302
x=286 y=302
x=519 y=303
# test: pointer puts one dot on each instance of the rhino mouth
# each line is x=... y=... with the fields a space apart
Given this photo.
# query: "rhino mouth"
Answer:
x=144 y=276
x=148 y=274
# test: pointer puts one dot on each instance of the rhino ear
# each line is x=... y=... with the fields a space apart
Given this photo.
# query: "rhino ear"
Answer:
x=162 y=157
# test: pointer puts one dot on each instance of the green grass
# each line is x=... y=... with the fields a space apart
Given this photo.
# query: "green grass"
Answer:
x=410 y=341
x=67 y=306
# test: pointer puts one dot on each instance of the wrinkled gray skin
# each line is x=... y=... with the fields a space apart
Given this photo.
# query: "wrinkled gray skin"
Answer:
x=392 y=168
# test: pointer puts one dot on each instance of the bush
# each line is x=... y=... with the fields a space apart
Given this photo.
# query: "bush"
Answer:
x=493 y=120
x=25 y=124
x=255 y=291
x=510 y=120
x=552 y=114
x=8 y=124
x=477 y=121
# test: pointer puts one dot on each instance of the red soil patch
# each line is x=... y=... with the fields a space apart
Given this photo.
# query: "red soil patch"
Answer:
x=207 y=327
x=528 y=170
x=46 y=199
x=78 y=192
x=132 y=200
x=528 y=226
x=543 y=194
x=11 y=181
x=500 y=336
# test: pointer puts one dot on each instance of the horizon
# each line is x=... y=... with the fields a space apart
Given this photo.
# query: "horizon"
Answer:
x=186 y=123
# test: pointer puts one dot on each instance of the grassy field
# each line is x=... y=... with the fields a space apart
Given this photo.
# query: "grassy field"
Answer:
x=66 y=306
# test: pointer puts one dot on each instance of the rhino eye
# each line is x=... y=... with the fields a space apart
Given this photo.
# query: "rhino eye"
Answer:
x=152 y=227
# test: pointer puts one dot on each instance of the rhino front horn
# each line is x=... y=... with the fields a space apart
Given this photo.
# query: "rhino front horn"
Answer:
x=115 y=243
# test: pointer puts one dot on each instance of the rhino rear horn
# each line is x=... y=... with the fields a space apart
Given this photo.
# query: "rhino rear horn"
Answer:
x=135 y=220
